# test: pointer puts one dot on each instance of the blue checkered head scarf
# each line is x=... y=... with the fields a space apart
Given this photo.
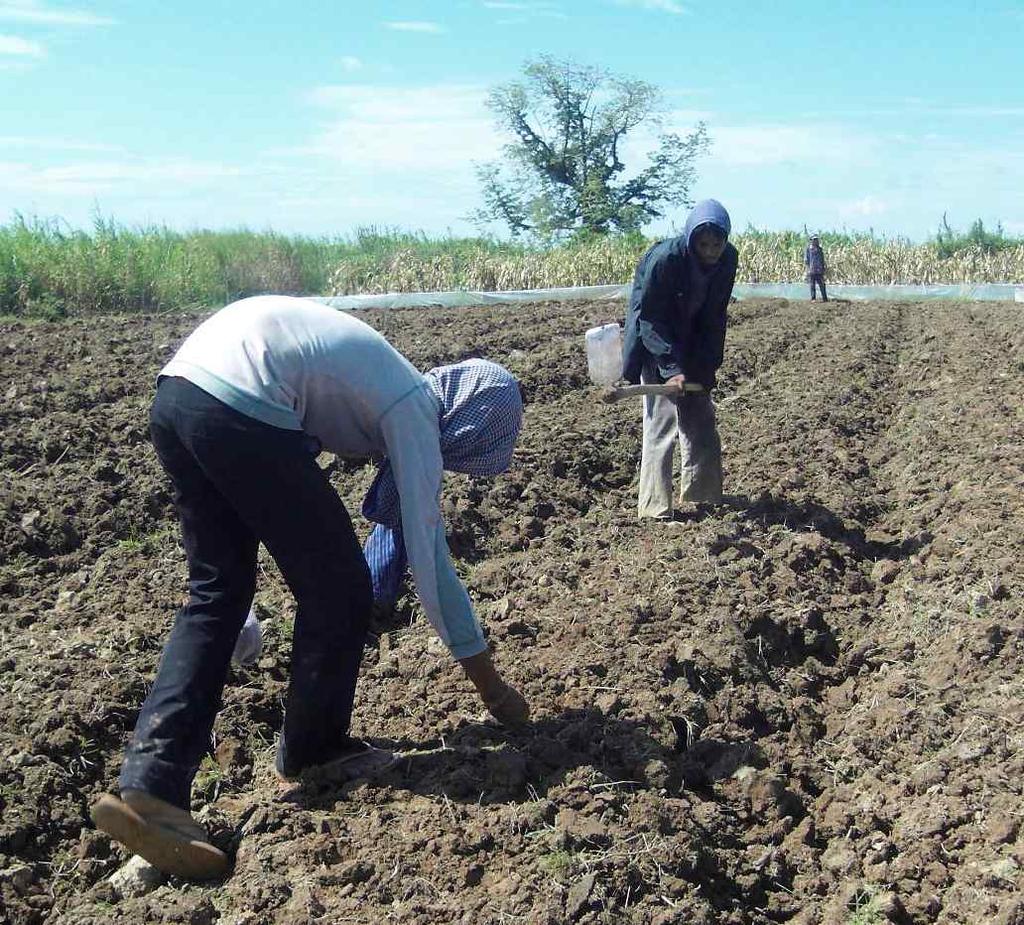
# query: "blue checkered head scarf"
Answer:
x=481 y=412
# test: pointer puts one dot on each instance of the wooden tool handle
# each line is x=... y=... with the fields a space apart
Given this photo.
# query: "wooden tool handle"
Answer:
x=617 y=393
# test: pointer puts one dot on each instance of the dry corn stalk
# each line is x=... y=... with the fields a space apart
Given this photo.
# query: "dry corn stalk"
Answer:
x=764 y=258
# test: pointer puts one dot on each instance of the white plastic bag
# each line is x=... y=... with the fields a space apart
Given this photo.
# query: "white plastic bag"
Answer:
x=249 y=644
x=604 y=354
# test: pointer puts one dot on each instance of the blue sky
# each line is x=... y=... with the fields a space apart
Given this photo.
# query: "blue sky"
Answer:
x=319 y=117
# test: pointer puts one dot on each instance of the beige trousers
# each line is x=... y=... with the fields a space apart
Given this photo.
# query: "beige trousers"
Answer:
x=691 y=420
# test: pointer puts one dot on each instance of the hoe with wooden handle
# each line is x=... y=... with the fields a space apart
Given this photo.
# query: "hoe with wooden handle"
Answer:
x=619 y=392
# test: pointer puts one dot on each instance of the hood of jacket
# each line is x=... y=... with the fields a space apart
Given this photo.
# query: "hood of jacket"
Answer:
x=706 y=212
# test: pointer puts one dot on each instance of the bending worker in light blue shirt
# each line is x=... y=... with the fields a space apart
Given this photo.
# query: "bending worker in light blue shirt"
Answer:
x=240 y=412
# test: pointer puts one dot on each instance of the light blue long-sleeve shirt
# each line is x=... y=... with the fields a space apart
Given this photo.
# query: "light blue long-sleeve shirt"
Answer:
x=299 y=365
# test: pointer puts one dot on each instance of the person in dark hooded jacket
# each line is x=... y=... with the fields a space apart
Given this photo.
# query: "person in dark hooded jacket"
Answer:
x=675 y=334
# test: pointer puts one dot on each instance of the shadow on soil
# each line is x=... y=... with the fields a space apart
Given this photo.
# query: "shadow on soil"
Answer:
x=768 y=508
x=482 y=763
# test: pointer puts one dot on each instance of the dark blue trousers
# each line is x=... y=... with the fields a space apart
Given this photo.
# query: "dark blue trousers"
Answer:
x=239 y=482
x=818 y=279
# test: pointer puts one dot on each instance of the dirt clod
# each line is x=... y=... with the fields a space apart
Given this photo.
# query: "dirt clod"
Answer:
x=803 y=705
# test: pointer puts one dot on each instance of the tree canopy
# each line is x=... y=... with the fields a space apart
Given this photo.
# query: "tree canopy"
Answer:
x=564 y=171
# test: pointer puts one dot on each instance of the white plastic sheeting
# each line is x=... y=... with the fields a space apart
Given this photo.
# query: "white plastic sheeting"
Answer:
x=465 y=297
x=969 y=291
x=988 y=292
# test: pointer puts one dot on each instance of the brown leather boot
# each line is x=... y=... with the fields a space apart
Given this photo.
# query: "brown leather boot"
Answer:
x=162 y=833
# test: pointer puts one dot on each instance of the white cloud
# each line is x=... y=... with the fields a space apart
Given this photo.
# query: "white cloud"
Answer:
x=983 y=112
x=757 y=145
x=833 y=174
x=761 y=144
x=91 y=178
x=683 y=120
x=426 y=129
x=917 y=106
x=54 y=144
x=526 y=11
x=428 y=28
x=438 y=101
x=864 y=207
x=350 y=64
x=395 y=156
x=22 y=48
x=662 y=6
x=31 y=11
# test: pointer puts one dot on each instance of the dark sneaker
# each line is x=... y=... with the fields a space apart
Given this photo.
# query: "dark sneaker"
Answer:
x=357 y=760
x=165 y=835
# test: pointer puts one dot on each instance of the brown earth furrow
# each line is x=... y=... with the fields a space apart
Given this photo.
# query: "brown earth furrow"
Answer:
x=802 y=706
x=940 y=677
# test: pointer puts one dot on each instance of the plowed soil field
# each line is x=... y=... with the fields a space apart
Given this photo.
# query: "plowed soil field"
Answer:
x=805 y=705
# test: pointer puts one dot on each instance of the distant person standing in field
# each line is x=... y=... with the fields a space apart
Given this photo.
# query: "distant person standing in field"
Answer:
x=814 y=260
x=675 y=334
x=240 y=413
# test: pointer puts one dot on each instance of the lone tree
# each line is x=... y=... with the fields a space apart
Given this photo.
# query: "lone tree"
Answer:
x=564 y=172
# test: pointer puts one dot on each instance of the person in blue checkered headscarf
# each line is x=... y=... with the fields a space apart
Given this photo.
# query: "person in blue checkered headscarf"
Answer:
x=481 y=412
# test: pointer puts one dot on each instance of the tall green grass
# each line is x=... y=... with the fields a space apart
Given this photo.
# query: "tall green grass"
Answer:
x=49 y=269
